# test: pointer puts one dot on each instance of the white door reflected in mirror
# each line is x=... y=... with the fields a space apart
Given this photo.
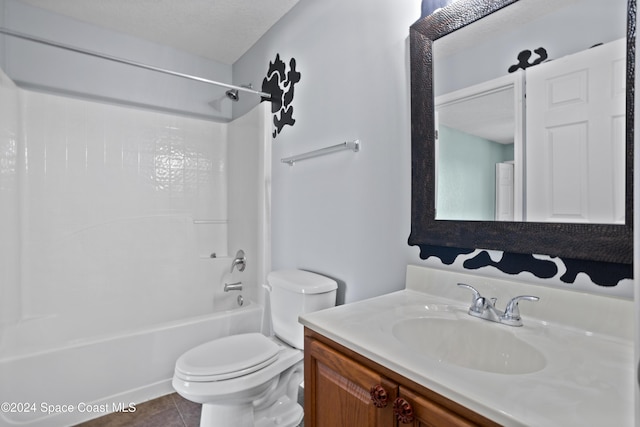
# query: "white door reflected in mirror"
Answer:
x=570 y=161
x=566 y=165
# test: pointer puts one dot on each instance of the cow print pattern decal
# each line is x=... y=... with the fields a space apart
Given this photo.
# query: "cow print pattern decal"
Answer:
x=601 y=273
x=514 y=264
x=524 y=59
x=280 y=84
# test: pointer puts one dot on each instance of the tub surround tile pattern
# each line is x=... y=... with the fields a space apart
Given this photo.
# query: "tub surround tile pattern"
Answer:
x=124 y=161
x=109 y=196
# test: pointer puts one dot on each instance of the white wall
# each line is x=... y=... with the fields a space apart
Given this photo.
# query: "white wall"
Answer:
x=55 y=70
x=348 y=215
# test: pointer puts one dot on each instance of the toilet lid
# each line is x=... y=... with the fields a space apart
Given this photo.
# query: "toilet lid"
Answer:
x=227 y=358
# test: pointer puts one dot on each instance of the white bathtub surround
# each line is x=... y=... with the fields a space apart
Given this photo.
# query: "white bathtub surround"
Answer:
x=9 y=202
x=131 y=367
x=109 y=198
x=249 y=226
x=585 y=340
x=111 y=215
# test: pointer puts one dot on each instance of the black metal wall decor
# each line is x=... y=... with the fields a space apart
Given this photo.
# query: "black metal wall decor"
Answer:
x=524 y=58
x=280 y=83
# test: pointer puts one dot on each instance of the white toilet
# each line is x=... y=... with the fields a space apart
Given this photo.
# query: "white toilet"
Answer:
x=250 y=380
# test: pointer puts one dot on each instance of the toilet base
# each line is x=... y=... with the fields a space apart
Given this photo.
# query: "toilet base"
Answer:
x=275 y=406
x=230 y=415
x=283 y=413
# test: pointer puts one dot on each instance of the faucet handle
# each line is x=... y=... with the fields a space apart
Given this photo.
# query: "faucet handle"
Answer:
x=477 y=302
x=511 y=314
x=476 y=294
x=239 y=261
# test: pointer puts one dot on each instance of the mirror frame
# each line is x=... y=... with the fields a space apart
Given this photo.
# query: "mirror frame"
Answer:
x=595 y=242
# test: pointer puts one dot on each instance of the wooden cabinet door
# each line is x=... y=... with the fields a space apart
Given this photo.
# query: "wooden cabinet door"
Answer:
x=338 y=391
x=421 y=412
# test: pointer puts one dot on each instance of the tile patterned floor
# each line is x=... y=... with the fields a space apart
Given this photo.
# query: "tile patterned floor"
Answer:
x=171 y=410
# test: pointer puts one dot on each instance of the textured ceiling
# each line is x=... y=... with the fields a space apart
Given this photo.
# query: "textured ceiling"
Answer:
x=222 y=30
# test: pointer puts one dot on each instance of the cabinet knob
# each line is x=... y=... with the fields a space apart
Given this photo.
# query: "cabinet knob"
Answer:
x=379 y=396
x=403 y=411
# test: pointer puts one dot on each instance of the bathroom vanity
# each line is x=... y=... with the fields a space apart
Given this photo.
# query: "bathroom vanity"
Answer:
x=416 y=357
x=345 y=388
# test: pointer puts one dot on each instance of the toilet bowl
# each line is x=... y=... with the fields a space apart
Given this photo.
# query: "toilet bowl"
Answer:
x=237 y=378
x=250 y=380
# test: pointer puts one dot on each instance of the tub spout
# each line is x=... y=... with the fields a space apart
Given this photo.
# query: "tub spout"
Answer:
x=237 y=286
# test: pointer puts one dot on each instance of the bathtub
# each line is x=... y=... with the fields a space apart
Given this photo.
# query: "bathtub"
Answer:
x=88 y=379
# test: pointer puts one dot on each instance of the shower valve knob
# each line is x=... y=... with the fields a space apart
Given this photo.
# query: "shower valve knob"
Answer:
x=240 y=261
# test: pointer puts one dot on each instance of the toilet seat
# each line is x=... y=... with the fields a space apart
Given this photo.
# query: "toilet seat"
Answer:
x=227 y=358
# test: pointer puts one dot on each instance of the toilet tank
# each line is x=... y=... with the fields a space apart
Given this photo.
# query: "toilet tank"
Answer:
x=296 y=292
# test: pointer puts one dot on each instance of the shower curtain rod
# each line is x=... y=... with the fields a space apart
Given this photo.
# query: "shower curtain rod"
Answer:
x=28 y=37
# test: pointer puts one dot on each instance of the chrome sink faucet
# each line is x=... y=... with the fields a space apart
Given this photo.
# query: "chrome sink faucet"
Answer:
x=485 y=308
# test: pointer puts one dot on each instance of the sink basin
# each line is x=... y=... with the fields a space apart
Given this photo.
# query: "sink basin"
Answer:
x=470 y=343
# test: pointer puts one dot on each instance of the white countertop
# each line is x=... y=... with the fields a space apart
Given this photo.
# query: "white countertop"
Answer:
x=588 y=378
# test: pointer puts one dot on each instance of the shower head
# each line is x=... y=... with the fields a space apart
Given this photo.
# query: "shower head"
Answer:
x=233 y=95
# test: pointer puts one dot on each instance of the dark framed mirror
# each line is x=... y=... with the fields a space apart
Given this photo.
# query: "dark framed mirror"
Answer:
x=582 y=240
